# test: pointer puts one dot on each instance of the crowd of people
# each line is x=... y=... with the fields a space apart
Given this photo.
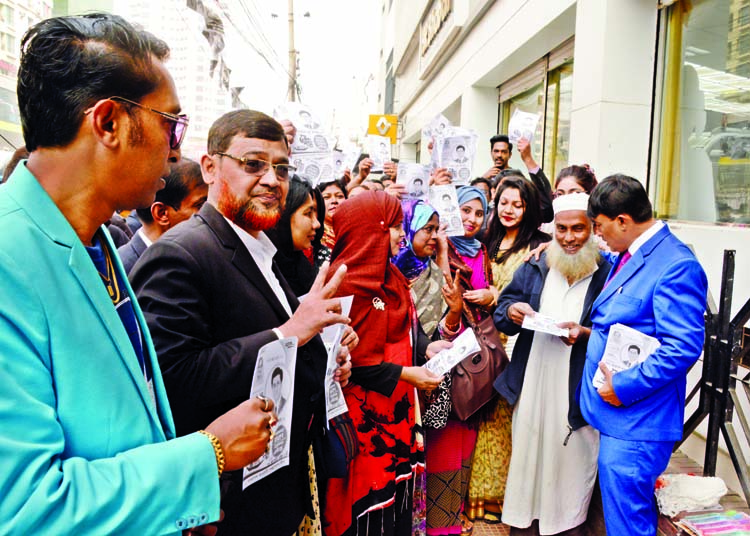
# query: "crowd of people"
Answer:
x=128 y=354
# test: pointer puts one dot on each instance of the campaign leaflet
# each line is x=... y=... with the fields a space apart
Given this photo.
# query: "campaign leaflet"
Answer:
x=444 y=199
x=380 y=151
x=522 y=125
x=464 y=345
x=331 y=335
x=626 y=348
x=416 y=178
x=273 y=378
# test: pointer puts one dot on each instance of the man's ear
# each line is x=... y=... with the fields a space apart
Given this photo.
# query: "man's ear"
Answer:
x=208 y=168
x=107 y=122
x=624 y=220
x=160 y=214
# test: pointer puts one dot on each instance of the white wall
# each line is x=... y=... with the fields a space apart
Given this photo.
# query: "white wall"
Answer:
x=612 y=85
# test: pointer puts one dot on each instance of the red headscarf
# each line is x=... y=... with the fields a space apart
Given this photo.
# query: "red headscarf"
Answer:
x=381 y=307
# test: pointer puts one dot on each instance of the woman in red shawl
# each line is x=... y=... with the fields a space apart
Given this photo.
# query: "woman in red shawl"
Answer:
x=377 y=495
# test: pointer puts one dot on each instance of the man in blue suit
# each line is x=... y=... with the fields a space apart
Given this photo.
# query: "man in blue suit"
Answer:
x=657 y=287
x=87 y=441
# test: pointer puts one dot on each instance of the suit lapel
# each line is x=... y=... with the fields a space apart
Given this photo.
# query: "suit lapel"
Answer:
x=242 y=260
x=633 y=266
x=85 y=272
x=595 y=287
x=30 y=195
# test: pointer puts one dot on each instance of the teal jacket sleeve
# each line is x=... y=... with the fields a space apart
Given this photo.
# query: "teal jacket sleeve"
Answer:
x=129 y=481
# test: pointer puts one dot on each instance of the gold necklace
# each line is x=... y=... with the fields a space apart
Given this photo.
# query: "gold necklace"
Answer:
x=110 y=279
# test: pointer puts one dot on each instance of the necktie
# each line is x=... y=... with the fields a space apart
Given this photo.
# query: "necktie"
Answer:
x=625 y=257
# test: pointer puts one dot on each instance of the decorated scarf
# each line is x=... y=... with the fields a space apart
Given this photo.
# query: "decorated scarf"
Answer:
x=469 y=246
x=381 y=308
x=416 y=215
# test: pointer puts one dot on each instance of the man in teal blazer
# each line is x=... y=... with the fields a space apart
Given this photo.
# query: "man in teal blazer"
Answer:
x=86 y=435
x=657 y=287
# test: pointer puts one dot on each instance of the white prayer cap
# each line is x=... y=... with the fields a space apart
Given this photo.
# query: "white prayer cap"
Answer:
x=576 y=201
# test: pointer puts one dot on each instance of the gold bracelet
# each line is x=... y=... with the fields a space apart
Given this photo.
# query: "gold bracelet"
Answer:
x=454 y=327
x=218 y=451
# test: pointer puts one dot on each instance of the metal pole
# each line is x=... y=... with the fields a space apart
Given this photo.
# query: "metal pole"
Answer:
x=292 y=90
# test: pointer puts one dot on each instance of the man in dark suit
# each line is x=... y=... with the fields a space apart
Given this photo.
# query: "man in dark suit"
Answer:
x=657 y=287
x=182 y=196
x=212 y=298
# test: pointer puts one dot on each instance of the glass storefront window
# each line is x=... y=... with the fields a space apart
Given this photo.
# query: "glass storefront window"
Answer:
x=553 y=104
x=557 y=131
x=703 y=170
x=531 y=101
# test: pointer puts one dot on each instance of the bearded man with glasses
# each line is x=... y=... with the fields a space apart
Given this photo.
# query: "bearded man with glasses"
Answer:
x=87 y=442
x=213 y=296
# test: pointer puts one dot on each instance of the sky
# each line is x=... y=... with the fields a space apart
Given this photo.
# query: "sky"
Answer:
x=338 y=49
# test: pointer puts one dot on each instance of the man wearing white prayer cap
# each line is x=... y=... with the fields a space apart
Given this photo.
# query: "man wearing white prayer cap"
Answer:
x=553 y=464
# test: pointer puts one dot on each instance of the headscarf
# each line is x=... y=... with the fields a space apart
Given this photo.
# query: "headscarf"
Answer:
x=381 y=308
x=469 y=247
x=416 y=215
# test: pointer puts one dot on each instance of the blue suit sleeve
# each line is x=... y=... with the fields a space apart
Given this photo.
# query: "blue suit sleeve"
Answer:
x=679 y=302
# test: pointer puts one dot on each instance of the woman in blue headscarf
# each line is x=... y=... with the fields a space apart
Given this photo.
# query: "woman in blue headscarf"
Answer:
x=425 y=240
x=449 y=449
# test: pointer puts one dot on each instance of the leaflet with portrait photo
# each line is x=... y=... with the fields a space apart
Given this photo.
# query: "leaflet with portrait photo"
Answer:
x=464 y=345
x=273 y=378
x=331 y=335
x=436 y=128
x=380 y=151
x=444 y=199
x=311 y=137
x=522 y=125
x=416 y=179
x=626 y=347
x=545 y=324
x=457 y=154
x=314 y=167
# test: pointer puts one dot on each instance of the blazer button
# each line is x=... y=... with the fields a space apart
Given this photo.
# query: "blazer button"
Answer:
x=192 y=521
x=203 y=518
x=181 y=523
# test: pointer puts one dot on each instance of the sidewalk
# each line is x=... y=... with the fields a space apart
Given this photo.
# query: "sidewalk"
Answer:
x=678 y=464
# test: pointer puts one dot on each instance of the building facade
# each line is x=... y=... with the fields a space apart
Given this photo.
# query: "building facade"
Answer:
x=660 y=93
x=15 y=19
x=656 y=90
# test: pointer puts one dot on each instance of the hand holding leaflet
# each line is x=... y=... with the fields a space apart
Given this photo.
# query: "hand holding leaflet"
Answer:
x=463 y=346
x=626 y=347
x=331 y=335
x=274 y=378
x=545 y=324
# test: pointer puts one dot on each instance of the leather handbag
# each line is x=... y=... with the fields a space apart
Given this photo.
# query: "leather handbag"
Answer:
x=473 y=378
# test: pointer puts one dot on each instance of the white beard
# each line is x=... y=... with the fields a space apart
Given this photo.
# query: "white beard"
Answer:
x=576 y=266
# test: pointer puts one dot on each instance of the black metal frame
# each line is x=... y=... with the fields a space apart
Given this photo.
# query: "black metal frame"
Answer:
x=722 y=353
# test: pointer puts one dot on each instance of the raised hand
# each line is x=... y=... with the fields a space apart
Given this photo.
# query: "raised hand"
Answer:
x=318 y=310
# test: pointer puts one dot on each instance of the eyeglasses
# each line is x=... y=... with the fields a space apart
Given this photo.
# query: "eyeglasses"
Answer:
x=178 y=126
x=258 y=167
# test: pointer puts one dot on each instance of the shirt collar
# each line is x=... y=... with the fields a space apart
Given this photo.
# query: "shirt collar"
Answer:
x=146 y=239
x=262 y=244
x=645 y=236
